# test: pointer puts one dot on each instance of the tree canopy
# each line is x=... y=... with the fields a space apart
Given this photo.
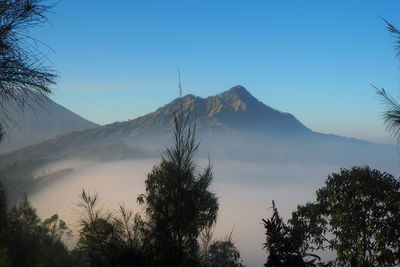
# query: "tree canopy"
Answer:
x=178 y=201
x=286 y=243
x=26 y=240
x=356 y=214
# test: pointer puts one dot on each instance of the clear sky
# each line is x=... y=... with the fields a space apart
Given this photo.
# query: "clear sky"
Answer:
x=315 y=59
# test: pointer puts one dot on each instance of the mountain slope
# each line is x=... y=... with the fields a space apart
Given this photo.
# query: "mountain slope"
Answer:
x=232 y=117
x=231 y=125
x=232 y=110
x=38 y=123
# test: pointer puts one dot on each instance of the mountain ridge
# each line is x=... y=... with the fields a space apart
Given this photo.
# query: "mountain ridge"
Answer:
x=214 y=107
x=217 y=110
x=230 y=125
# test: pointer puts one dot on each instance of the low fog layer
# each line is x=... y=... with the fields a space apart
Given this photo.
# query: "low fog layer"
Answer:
x=245 y=192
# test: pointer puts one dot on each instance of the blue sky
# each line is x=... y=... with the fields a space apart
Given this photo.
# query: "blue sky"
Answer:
x=315 y=59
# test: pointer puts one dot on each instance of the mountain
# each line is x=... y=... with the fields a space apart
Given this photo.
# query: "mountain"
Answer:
x=226 y=115
x=39 y=122
x=231 y=125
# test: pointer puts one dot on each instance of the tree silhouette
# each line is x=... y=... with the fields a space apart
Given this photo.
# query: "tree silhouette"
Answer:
x=218 y=253
x=356 y=214
x=24 y=73
x=391 y=115
x=178 y=202
x=286 y=243
x=27 y=241
x=25 y=77
x=106 y=239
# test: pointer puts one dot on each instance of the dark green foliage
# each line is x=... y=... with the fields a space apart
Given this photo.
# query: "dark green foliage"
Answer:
x=223 y=253
x=23 y=239
x=26 y=241
x=178 y=203
x=356 y=214
x=286 y=243
x=218 y=253
x=108 y=240
x=178 y=209
x=55 y=229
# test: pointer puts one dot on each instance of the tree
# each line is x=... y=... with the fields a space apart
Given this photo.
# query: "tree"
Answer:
x=25 y=78
x=286 y=243
x=223 y=253
x=178 y=202
x=53 y=251
x=106 y=239
x=356 y=214
x=27 y=241
x=391 y=115
x=24 y=74
x=218 y=253
x=178 y=207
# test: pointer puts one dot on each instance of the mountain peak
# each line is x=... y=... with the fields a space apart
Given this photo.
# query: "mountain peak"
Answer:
x=238 y=96
x=238 y=90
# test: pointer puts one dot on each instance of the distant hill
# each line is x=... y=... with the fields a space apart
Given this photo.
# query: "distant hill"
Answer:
x=40 y=122
x=231 y=125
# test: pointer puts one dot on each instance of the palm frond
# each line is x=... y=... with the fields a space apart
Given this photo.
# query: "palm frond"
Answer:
x=396 y=34
x=391 y=115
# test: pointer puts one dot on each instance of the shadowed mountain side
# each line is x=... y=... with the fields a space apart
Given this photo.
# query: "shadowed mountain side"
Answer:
x=231 y=125
x=39 y=122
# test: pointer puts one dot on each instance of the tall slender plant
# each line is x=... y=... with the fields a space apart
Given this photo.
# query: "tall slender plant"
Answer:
x=178 y=201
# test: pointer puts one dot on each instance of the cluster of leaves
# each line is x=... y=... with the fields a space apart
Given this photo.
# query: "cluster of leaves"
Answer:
x=286 y=243
x=106 y=239
x=356 y=214
x=218 y=253
x=122 y=239
x=25 y=240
